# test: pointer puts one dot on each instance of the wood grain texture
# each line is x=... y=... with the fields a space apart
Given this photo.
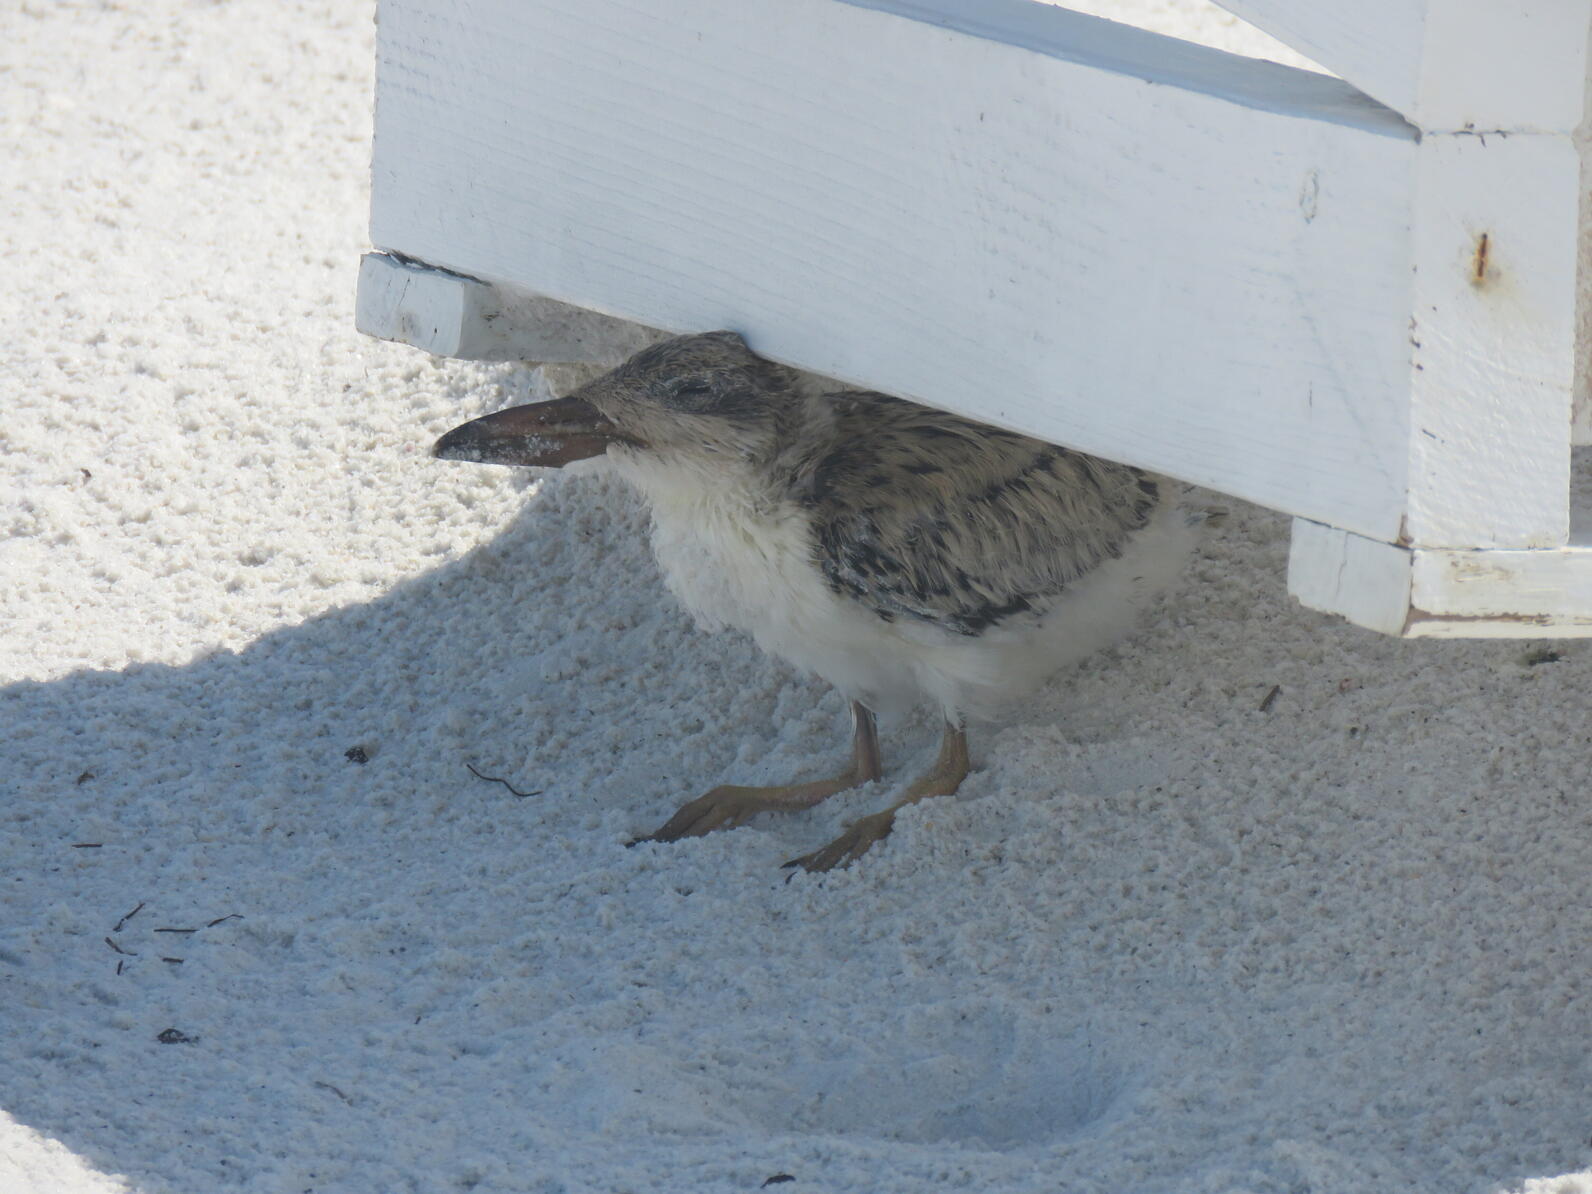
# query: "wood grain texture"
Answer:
x=1215 y=289
x=1496 y=225
x=1447 y=65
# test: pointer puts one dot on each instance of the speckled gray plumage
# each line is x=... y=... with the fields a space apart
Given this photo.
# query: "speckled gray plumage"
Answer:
x=913 y=513
x=927 y=516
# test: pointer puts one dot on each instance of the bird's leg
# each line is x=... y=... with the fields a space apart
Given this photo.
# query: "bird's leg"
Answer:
x=731 y=804
x=941 y=779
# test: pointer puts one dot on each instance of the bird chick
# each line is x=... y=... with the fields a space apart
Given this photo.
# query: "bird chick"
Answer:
x=903 y=554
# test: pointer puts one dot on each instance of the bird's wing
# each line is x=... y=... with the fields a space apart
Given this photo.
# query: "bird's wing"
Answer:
x=927 y=517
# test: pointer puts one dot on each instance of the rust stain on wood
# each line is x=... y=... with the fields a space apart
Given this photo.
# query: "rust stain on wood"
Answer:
x=1478 y=260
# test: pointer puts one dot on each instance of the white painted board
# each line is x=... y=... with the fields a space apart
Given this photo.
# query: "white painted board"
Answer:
x=1442 y=593
x=1493 y=335
x=1501 y=594
x=451 y=315
x=1447 y=65
x=1364 y=580
x=1465 y=65
x=1211 y=280
x=428 y=308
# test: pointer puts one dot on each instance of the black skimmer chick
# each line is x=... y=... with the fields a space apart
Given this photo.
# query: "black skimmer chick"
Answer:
x=903 y=554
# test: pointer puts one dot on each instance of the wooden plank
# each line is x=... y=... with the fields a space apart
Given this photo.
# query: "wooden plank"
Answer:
x=1493 y=332
x=451 y=315
x=1422 y=593
x=1210 y=280
x=1364 y=580
x=1447 y=65
x=1501 y=594
x=428 y=308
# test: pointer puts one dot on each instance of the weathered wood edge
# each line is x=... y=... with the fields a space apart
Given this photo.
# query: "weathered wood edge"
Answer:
x=1420 y=593
x=454 y=315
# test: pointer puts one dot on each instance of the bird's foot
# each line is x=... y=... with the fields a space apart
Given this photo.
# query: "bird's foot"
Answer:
x=730 y=805
x=941 y=779
x=859 y=837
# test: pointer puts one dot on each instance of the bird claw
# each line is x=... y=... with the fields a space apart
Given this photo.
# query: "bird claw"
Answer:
x=722 y=808
x=851 y=845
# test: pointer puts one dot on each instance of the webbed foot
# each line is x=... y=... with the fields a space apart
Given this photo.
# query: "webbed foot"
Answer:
x=942 y=779
x=730 y=805
x=851 y=845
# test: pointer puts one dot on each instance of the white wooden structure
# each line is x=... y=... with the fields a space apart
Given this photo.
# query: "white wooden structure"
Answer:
x=1362 y=301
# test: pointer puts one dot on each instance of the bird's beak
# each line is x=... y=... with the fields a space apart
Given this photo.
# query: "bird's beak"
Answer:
x=548 y=434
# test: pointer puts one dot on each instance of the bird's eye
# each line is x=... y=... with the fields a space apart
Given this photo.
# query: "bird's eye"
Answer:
x=690 y=393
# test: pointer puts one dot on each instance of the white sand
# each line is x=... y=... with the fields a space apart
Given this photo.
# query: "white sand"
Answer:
x=1163 y=942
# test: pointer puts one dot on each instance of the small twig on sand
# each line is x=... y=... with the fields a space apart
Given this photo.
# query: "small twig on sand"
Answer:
x=497 y=780
x=1265 y=704
x=128 y=917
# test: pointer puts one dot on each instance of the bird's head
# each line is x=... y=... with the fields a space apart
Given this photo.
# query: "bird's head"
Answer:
x=691 y=400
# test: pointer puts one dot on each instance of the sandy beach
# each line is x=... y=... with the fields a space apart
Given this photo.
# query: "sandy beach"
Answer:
x=1254 y=902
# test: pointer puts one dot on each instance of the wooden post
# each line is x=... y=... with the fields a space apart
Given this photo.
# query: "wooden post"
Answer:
x=1499 y=335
